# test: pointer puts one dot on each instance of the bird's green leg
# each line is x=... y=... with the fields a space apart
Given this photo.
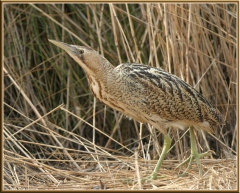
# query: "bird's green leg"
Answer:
x=194 y=154
x=166 y=146
x=153 y=176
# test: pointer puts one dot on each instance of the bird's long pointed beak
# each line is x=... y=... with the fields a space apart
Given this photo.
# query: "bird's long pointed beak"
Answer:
x=67 y=47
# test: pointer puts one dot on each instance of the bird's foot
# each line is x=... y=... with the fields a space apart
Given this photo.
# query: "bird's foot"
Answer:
x=197 y=157
x=151 y=177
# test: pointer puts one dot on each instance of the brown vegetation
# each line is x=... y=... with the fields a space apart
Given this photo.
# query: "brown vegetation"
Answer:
x=57 y=136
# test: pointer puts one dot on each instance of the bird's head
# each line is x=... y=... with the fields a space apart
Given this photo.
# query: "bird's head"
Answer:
x=90 y=60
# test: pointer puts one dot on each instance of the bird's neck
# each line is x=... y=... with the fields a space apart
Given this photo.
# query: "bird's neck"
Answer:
x=99 y=80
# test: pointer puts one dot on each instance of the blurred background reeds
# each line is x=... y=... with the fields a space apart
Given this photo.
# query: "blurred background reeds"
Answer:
x=57 y=136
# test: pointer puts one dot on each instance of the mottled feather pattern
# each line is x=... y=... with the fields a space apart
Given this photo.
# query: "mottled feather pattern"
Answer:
x=165 y=95
x=144 y=93
x=148 y=95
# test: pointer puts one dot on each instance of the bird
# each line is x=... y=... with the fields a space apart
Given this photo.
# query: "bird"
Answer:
x=148 y=95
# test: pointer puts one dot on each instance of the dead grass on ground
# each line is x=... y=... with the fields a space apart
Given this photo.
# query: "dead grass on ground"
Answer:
x=114 y=173
x=85 y=145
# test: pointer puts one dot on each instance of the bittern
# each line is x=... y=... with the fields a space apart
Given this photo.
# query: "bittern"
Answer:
x=148 y=95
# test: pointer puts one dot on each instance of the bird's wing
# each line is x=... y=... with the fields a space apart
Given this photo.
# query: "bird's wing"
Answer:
x=169 y=96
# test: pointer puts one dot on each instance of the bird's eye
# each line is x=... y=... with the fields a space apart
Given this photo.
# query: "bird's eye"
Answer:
x=81 y=51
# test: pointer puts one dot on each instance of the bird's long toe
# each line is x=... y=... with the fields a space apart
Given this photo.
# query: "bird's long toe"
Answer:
x=190 y=160
x=194 y=155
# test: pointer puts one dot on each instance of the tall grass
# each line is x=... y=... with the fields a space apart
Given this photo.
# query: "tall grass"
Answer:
x=49 y=111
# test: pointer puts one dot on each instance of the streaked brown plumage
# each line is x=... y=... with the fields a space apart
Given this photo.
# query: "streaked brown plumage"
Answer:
x=147 y=94
x=152 y=95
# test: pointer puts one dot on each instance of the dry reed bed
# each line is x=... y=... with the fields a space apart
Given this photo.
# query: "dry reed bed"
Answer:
x=52 y=146
x=32 y=174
